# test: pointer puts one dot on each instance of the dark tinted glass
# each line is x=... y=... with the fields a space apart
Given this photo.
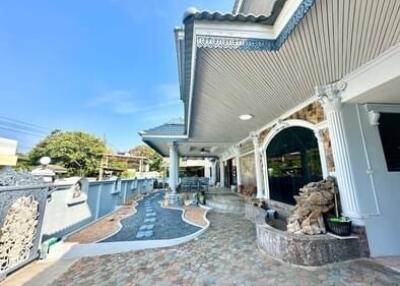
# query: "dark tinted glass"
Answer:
x=293 y=161
x=389 y=129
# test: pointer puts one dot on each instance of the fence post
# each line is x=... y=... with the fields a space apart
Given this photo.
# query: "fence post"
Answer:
x=98 y=202
x=125 y=191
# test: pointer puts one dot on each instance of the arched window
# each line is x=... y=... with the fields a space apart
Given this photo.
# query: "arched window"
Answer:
x=293 y=160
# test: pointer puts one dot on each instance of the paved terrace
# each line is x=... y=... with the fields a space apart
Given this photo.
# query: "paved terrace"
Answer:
x=226 y=254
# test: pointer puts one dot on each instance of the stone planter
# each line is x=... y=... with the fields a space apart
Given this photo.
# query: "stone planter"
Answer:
x=307 y=250
x=254 y=214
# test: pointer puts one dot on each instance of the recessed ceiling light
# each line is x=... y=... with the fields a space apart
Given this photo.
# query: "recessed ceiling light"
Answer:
x=246 y=116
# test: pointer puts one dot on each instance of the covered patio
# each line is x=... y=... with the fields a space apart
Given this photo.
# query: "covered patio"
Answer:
x=281 y=95
x=283 y=99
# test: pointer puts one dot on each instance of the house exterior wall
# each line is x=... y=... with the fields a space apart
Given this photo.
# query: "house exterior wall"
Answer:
x=377 y=189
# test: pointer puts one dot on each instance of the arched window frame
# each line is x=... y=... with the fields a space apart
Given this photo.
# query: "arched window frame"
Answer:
x=281 y=125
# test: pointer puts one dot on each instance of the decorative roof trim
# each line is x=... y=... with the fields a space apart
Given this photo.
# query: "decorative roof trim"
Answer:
x=231 y=43
x=222 y=42
x=164 y=136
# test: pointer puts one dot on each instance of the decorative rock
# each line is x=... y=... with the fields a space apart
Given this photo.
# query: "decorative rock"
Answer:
x=313 y=201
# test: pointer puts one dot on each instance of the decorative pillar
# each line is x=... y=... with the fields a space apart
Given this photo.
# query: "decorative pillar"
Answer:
x=177 y=162
x=330 y=97
x=172 y=167
x=257 y=162
x=213 y=172
x=222 y=174
x=207 y=166
x=237 y=159
x=321 y=149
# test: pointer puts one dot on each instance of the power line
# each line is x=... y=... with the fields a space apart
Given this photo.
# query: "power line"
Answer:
x=21 y=131
x=20 y=122
x=21 y=127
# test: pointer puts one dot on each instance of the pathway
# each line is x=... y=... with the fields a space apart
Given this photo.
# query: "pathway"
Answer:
x=152 y=222
x=226 y=254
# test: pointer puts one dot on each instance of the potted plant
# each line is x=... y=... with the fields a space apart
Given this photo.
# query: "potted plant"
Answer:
x=201 y=198
x=339 y=225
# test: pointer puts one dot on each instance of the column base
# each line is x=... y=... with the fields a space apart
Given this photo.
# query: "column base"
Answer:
x=173 y=199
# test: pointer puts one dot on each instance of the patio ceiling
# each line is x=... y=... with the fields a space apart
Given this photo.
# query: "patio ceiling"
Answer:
x=333 y=39
x=161 y=137
x=187 y=148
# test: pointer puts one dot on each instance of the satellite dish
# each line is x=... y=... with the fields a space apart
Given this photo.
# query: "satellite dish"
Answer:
x=45 y=160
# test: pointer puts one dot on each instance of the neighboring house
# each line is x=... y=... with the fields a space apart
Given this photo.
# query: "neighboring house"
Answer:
x=8 y=150
x=292 y=95
x=136 y=164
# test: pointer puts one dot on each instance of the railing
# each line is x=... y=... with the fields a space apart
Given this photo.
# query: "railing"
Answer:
x=67 y=212
x=190 y=184
x=21 y=217
x=32 y=213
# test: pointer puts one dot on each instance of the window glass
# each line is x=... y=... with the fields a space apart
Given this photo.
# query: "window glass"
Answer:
x=293 y=160
x=389 y=129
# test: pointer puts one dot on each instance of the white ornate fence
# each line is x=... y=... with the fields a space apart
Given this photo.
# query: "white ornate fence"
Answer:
x=34 y=212
x=66 y=213
x=21 y=217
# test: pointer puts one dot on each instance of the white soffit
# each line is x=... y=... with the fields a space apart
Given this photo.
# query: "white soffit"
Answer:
x=333 y=39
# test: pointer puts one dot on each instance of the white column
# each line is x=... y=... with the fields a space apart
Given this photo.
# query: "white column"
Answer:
x=221 y=174
x=257 y=162
x=322 y=154
x=237 y=159
x=213 y=172
x=177 y=162
x=172 y=167
x=330 y=97
x=207 y=165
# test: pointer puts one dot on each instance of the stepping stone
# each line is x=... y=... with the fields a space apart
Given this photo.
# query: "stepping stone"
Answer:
x=147 y=227
x=146 y=233
x=147 y=220
x=149 y=210
x=150 y=214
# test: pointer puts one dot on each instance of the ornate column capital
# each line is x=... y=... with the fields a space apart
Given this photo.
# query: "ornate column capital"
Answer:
x=236 y=150
x=330 y=95
x=254 y=137
x=374 y=117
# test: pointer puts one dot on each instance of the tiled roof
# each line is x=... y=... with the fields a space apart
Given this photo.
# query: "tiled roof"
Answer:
x=172 y=129
x=194 y=14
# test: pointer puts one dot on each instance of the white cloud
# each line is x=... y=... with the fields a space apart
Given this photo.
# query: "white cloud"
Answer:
x=118 y=101
x=124 y=102
x=168 y=91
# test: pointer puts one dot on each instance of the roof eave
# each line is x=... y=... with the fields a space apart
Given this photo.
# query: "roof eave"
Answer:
x=232 y=34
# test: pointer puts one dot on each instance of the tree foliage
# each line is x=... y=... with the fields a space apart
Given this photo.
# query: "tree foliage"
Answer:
x=156 y=159
x=80 y=153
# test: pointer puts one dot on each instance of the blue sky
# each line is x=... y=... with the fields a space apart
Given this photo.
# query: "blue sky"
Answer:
x=107 y=67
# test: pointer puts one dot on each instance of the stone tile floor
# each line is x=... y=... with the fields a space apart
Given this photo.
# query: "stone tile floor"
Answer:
x=226 y=254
